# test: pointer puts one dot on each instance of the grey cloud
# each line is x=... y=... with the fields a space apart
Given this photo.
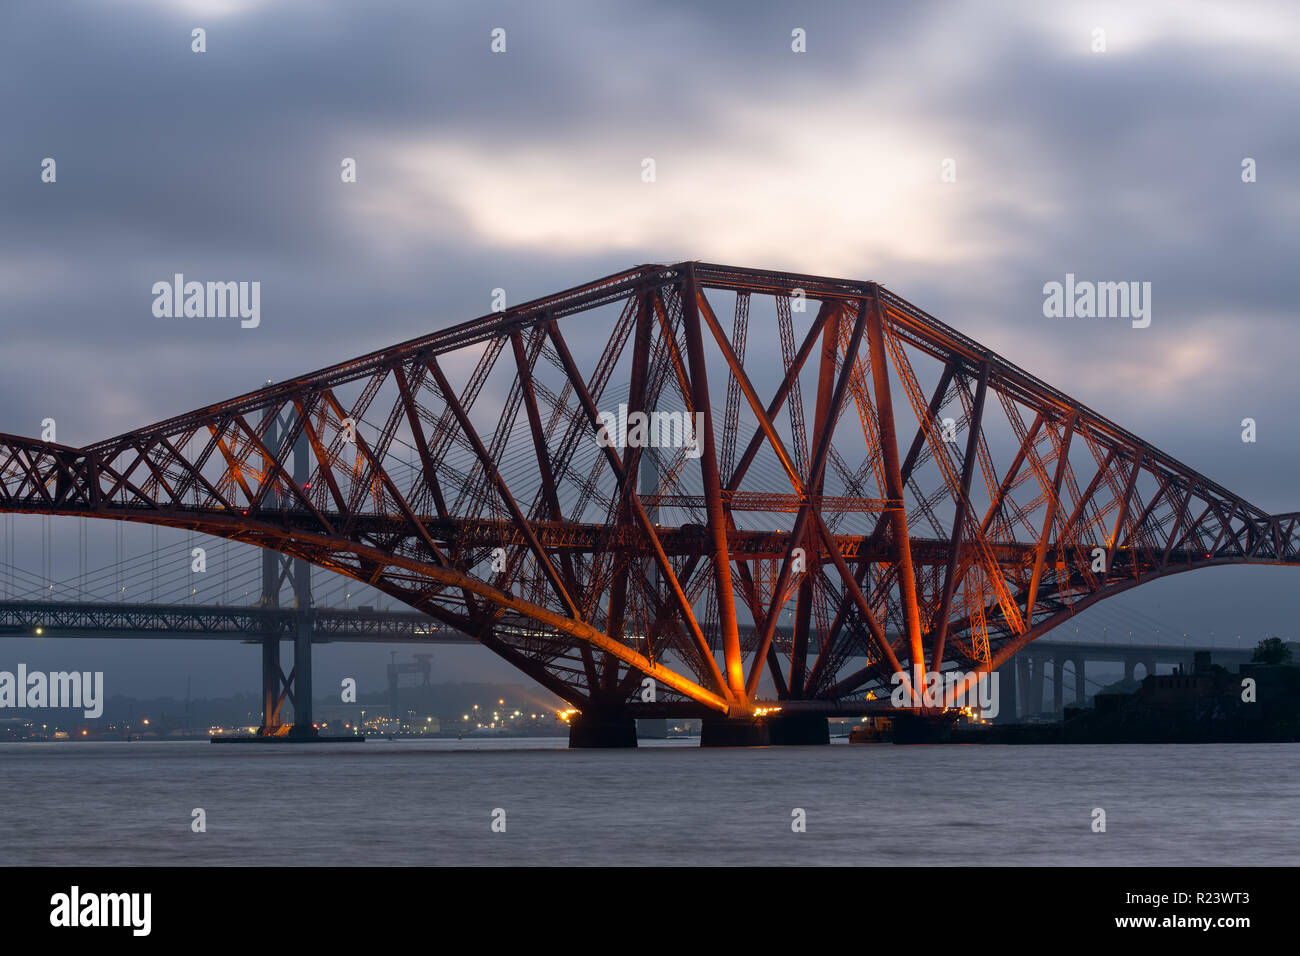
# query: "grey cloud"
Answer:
x=225 y=165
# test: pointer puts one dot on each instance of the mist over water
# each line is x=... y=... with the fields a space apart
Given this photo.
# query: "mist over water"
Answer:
x=666 y=803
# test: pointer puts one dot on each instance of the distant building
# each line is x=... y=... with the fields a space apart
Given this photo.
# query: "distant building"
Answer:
x=1261 y=702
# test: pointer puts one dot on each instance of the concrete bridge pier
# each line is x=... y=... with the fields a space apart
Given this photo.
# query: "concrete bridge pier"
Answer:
x=601 y=729
x=270 y=686
x=734 y=732
x=1035 y=687
x=1080 y=682
x=1022 y=684
x=1007 y=693
x=1058 y=682
x=778 y=730
x=1131 y=663
x=786 y=730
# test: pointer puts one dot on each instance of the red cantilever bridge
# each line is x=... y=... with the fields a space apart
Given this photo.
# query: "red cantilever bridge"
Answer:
x=868 y=492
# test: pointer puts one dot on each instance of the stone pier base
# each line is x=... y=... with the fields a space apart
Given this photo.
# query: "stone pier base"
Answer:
x=732 y=732
x=601 y=730
x=798 y=730
x=781 y=730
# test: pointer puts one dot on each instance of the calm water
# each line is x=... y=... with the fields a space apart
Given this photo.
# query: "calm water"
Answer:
x=430 y=802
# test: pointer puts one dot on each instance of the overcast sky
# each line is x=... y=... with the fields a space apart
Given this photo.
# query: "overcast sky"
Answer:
x=522 y=170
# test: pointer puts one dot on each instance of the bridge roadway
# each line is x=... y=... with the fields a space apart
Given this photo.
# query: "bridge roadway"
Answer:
x=1026 y=676
x=217 y=622
x=248 y=623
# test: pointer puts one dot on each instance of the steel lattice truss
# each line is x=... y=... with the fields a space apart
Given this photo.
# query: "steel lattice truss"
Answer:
x=872 y=494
